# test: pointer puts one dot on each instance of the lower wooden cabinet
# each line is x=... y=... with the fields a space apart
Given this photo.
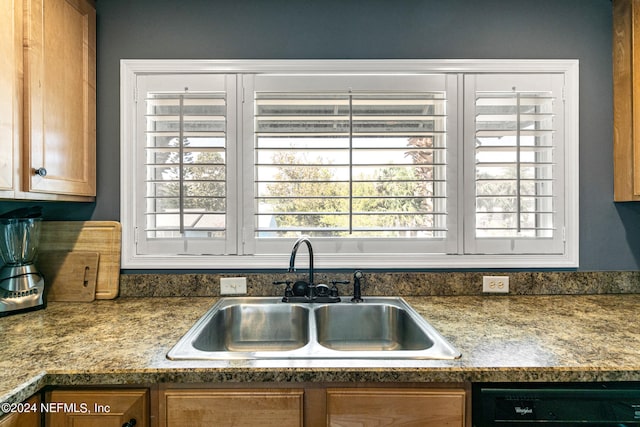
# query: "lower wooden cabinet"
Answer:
x=97 y=408
x=238 y=408
x=249 y=405
x=395 y=407
x=314 y=405
x=24 y=418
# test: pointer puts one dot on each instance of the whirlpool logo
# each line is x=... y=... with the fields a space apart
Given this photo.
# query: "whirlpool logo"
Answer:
x=523 y=411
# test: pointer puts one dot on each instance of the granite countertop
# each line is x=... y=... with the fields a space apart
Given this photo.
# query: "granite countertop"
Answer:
x=502 y=338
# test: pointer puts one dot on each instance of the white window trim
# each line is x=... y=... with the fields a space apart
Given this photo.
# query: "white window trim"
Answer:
x=570 y=68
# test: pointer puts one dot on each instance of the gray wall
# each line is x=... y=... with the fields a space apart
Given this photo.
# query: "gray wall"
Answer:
x=342 y=29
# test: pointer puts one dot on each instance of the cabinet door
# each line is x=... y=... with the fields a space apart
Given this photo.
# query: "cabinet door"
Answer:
x=97 y=408
x=237 y=408
x=626 y=100
x=10 y=13
x=23 y=419
x=60 y=96
x=395 y=407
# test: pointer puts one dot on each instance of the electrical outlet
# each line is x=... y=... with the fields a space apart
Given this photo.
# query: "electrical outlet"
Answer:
x=495 y=284
x=233 y=285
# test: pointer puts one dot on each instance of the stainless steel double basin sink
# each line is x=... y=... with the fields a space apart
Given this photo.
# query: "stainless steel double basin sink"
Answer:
x=266 y=328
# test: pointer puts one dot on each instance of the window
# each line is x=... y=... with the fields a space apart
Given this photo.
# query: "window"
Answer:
x=384 y=164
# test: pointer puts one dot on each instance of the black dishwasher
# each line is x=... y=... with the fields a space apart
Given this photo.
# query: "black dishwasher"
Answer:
x=570 y=404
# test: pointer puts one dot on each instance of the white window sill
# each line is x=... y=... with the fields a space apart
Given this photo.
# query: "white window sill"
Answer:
x=339 y=261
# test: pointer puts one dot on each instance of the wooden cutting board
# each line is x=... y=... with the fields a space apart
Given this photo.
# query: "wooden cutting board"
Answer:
x=69 y=276
x=102 y=237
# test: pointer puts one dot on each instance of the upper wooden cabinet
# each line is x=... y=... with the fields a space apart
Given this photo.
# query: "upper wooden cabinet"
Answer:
x=48 y=99
x=60 y=96
x=626 y=99
x=10 y=95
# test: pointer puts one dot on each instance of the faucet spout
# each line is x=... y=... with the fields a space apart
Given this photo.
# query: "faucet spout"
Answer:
x=292 y=260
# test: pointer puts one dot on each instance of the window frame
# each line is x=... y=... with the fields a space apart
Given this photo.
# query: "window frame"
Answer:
x=129 y=69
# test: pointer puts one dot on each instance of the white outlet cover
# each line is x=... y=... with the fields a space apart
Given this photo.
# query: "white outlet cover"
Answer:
x=495 y=284
x=233 y=285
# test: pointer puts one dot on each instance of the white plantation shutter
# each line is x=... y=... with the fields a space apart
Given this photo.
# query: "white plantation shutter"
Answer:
x=363 y=164
x=515 y=143
x=184 y=201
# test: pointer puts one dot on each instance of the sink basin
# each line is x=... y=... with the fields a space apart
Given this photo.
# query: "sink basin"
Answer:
x=267 y=328
x=254 y=327
x=372 y=327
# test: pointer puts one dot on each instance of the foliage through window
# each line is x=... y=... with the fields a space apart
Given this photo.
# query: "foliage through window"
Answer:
x=185 y=165
x=350 y=164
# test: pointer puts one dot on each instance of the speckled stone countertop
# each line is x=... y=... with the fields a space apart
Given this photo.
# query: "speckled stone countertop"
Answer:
x=502 y=338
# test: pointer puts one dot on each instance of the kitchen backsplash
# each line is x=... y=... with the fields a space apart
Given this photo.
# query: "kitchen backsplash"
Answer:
x=384 y=284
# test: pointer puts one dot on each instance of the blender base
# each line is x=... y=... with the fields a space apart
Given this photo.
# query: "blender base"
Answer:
x=13 y=311
x=24 y=292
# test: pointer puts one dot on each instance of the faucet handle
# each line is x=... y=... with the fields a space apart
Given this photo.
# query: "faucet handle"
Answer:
x=340 y=282
x=334 y=288
x=287 y=290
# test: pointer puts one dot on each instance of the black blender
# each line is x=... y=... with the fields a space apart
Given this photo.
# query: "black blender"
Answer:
x=21 y=285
